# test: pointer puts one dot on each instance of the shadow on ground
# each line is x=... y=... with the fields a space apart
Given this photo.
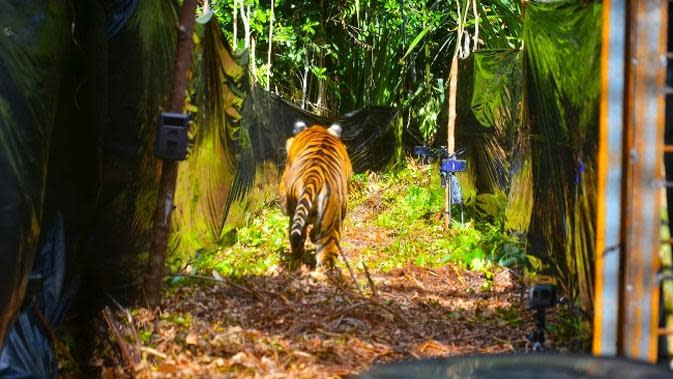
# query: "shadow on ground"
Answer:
x=302 y=326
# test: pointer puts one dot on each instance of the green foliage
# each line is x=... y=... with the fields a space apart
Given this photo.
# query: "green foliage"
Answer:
x=181 y=319
x=418 y=202
x=336 y=57
x=413 y=216
x=253 y=249
x=572 y=326
x=408 y=205
x=369 y=52
x=427 y=113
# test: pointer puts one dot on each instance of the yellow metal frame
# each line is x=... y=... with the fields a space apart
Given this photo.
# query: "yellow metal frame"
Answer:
x=608 y=215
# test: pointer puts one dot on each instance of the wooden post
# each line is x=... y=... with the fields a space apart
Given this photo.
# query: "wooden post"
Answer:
x=169 y=169
x=268 y=55
x=453 y=88
x=645 y=102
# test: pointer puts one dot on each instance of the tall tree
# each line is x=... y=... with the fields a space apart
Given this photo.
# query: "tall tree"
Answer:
x=453 y=89
x=268 y=55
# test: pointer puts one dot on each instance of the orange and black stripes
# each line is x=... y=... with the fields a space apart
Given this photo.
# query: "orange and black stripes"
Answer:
x=314 y=190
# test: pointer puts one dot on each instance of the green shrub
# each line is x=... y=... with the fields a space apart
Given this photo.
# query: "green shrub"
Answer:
x=408 y=210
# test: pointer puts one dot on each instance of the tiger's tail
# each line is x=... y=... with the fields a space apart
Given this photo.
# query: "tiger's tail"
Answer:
x=300 y=220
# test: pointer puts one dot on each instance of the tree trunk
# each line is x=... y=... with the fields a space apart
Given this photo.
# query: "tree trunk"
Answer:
x=235 y=23
x=304 y=81
x=320 y=99
x=245 y=18
x=268 y=55
x=476 y=25
x=253 y=63
x=169 y=169
x=451 y=142
x=453 y=89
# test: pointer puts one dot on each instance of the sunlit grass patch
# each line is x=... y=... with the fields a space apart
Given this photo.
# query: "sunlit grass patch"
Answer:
x=414 y=201
x=404 y=206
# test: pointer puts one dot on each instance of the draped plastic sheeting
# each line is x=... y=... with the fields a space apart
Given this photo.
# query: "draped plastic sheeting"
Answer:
x=31 y=52
x=531 y=131
x=53 y=110
x=28 y=352
x=34 y=43
x=496 y=92
x=205 y=179
x=102 y=107
x=118 y=13
x=488 y=119
x=562 y=41
x=236 y=161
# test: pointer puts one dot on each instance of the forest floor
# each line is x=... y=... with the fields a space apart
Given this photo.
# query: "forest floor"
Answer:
x=418 y=293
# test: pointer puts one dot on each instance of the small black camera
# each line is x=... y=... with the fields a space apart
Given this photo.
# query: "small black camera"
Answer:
x=172 y=140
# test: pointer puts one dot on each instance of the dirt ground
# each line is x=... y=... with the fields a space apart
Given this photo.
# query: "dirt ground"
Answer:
x=302 y=325
x=296 y=326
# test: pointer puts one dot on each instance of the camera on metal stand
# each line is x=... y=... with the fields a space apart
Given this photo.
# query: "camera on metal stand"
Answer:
x=449 y=165
x=540 y=297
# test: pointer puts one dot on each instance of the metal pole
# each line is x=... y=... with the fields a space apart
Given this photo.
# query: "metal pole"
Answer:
x=447 y=202
x=609 y=200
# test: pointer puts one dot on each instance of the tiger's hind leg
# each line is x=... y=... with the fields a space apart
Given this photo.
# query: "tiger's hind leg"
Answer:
x=327 y=249
x=326 y=255
x=327 y=234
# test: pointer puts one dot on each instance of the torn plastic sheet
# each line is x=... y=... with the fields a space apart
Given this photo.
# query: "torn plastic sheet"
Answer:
x=28 y=352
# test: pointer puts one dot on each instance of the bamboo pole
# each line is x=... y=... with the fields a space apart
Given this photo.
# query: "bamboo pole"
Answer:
x=169 y=169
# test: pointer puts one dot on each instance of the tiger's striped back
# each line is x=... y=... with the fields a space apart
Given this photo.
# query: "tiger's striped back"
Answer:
x=314 y=190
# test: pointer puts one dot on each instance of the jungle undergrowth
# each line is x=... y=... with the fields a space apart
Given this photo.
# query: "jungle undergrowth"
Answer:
x=438 y=292
x=405 y=207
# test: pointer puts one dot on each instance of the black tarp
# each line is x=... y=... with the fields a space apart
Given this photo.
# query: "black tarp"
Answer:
x=562 y=43
x=488 y=121
x=36 y=276
x=529 y=120
x=99 y=143
x=241 y=165
x=33 y=41
x=368 y=133
x=53 y=55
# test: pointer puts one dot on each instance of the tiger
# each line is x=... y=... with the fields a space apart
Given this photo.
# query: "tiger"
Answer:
x=314 y=190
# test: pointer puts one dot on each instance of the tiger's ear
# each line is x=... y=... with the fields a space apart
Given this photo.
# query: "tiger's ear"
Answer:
x=288 y=144
x=335 y=130
x=298 y=127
